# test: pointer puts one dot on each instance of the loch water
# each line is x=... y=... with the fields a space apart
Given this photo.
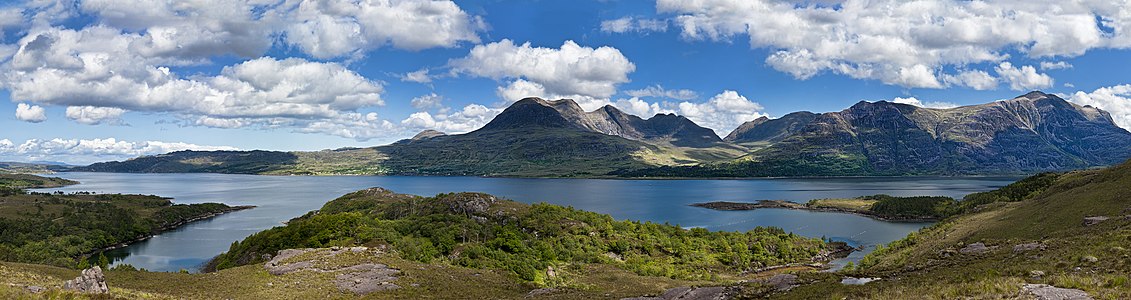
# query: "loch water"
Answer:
x=280 y=198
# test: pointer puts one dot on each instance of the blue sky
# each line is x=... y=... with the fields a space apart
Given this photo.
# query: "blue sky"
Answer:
x=85 y=81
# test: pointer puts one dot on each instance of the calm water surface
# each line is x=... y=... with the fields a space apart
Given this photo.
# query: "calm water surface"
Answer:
x=280 y=198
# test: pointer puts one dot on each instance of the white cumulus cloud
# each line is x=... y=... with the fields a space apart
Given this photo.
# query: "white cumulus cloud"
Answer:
x=1116 y=100
x=568 y=70
x=975 y=79
x=91 y=115
x=471 y=117
x=905 y=43
x=95 y=67
x=660 y=92
x=323 y=29
x=83 y=151
x=634 y=24
x=1048 y=65
x=30 y=113
x=1023 y=78
x=123 y=59
x=722 y=113
x=930 y=104
x=326 y=29
x=418 y=76
x=425 y=102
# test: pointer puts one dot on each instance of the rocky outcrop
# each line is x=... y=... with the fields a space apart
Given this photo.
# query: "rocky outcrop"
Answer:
x=1028 y=247
x=975 y=248
x=92 y=281
x=857 y=281
x=366 y=278
x=691 y=293
x=782 y=282
x=361 y=278
x=1089 y=221
x=1048 y=292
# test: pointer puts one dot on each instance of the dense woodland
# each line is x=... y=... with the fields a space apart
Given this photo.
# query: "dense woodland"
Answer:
x=480 y=231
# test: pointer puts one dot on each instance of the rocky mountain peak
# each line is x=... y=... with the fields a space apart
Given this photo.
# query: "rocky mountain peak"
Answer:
x=427 y=134
x=1037 y=95
x=566 y=113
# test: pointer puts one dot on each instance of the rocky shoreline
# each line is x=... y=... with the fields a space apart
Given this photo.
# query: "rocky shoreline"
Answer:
x=782 y=204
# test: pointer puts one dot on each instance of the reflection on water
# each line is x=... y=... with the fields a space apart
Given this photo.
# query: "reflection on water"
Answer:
x=280 y=198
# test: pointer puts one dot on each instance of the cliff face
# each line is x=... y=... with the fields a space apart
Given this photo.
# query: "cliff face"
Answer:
x=1030 y=133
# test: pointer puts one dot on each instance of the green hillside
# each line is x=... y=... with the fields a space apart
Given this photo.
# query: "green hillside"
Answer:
x=1036 y=233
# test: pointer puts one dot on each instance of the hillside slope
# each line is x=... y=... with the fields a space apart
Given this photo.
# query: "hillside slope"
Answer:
x=1072 y=232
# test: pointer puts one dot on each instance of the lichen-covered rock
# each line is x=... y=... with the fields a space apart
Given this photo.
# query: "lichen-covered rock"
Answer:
x=1028 y=247
x=277 y=267
x=366 y=278
x=361 y=279
x=1048 y=292
x=91 y=281
x=1089 y=221
x=975 y=248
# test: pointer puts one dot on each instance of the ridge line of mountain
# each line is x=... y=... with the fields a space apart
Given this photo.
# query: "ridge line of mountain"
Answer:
x=535 y=137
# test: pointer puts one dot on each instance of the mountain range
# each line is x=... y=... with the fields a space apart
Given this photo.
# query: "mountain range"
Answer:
x=1032 y=133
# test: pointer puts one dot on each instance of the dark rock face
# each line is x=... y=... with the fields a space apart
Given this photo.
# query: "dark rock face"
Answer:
x=565 y=113
x=770 y=130
x=1031 y=133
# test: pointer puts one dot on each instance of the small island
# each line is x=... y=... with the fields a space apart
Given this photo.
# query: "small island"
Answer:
x=880 y=207
x=62 y=229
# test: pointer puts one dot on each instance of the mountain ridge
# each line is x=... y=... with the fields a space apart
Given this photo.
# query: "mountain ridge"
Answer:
x=1030 y=133
x=535 y=137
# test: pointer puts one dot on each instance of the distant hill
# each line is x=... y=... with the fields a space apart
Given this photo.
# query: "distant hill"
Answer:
x=1032 y=133
x=31 y=167
x=236 y=162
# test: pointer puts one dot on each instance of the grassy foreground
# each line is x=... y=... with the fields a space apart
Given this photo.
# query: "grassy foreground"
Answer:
x=1034 y=232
